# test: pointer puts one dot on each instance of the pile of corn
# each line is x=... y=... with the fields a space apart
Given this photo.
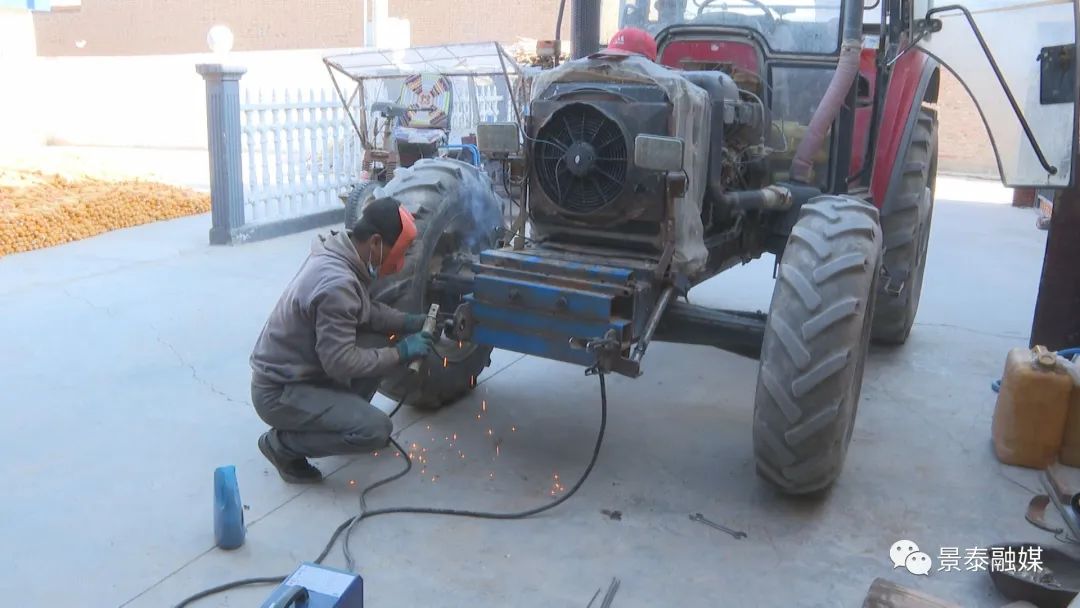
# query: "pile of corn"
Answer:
x=39 y=210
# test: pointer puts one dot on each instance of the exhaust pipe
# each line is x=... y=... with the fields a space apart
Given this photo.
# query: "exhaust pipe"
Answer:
x=585 y=27
x=847 y=68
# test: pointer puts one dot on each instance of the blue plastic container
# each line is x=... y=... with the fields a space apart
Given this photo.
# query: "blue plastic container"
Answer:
x=228 y=509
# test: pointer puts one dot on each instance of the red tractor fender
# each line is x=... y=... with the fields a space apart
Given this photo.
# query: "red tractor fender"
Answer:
x=914 y=79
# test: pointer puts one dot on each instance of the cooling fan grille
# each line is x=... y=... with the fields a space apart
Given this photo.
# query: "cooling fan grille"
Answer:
x=581 y=158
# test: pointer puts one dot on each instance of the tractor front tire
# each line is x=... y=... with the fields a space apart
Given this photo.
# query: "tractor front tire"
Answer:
x=457 y=215
x=905 y=222
x=816 y=339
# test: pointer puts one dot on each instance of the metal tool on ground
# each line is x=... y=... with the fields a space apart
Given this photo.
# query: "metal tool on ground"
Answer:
x=701 y=519
x=609 y=595
x=430 y=324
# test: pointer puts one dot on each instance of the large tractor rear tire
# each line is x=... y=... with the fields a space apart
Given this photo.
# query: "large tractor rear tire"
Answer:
x=905 y=222
x=816 y=338
x=457 y=215
x=354 y=202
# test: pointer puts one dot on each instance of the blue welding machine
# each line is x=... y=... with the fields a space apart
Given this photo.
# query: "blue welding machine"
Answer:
x=316 y=586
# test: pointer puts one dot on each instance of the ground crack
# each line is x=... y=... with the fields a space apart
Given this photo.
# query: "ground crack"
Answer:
x=157 y=334
x=973 y=331
x=195 y=373
x=108 y=310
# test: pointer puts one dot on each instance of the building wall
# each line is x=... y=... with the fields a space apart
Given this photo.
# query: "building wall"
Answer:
x=151 y=28
x=963 y=144
x=154 y=27
x=17 y=65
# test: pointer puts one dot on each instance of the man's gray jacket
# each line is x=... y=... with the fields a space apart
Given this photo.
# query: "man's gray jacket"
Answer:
x=311 y=335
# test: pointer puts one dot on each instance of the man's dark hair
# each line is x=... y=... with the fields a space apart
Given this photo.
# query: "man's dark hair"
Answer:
x=381 y=217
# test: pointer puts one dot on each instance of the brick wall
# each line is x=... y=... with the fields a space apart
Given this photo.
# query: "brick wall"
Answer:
x=964 y=146
x=152 y=27
x=479 y=20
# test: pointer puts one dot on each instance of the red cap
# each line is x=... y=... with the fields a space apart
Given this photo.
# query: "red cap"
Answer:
x=631 y=41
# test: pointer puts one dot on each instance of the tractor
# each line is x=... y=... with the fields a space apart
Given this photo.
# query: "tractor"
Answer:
x=805 y=129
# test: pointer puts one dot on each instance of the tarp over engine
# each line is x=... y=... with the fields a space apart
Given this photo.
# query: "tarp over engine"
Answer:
x=692 y=124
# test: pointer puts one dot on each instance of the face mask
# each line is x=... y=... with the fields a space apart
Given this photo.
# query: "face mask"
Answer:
x=372 y=269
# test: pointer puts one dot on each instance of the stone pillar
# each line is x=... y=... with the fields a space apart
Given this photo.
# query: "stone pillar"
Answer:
x=223 y=141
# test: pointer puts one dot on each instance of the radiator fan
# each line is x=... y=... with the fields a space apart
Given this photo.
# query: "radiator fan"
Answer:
x=581 y=158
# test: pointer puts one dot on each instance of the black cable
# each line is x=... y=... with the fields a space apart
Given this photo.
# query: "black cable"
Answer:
x=350 y=523
x=365 y=514
x=264 y=580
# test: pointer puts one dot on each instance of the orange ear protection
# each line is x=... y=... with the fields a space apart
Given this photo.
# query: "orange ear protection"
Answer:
x=395 y=260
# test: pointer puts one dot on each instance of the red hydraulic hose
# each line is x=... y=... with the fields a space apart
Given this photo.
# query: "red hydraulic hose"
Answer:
x=847 y=68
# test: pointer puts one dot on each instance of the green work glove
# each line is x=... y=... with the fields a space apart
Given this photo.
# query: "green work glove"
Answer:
x=416 y=346
x=414 y=323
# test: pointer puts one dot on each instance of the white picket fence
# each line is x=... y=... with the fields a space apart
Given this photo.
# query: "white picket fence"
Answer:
x=301 y=151
x=492 y=105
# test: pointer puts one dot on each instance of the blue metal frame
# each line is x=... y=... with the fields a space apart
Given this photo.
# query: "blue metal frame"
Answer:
x=549 y=303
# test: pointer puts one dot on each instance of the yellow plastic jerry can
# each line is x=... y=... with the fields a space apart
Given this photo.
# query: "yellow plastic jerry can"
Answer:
x=1032 y=407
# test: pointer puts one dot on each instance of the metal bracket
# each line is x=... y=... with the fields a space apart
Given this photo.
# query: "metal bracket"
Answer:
x=608 y=350
x=921 y=28
x=1057 y=74
x=893 y=284
x=675 y=186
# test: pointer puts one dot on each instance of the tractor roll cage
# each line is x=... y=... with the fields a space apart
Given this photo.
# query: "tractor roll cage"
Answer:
x=487 y=59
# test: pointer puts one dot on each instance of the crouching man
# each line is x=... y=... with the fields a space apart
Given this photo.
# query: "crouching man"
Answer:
x=313 y=369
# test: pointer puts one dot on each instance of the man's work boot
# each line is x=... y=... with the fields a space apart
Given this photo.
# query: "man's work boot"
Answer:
x=292 y=470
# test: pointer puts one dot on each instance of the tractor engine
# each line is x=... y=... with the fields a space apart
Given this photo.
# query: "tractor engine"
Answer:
x=585 y=187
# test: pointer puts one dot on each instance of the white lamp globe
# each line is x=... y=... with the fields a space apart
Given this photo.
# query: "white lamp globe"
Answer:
x=220 y=39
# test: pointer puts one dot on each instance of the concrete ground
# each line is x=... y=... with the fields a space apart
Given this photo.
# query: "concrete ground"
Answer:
x=125 y=383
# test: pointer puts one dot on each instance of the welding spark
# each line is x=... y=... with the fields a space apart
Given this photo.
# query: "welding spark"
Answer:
x=556 y=487
x=478 y=416
x=376 y=454
x=445 y=362
x=459 y=344
x=513 y=429
x=489 y=432
x=352 y=482
x=392 y=336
